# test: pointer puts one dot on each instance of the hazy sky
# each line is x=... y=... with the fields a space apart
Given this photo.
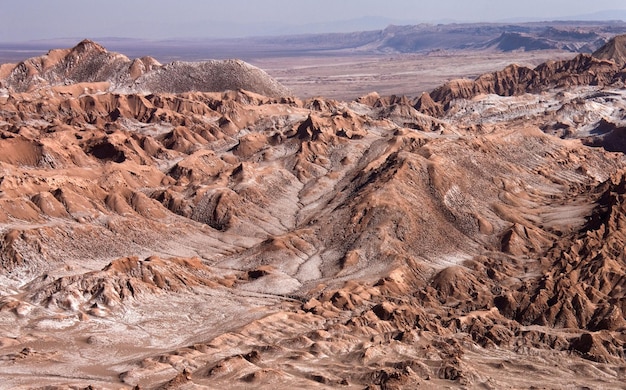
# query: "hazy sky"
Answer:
x=157 y=19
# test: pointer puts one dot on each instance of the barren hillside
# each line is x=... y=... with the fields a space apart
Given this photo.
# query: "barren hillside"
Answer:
x=105 y=71
x=471 y=237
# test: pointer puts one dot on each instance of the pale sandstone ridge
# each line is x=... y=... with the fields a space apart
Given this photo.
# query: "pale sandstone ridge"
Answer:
x=89 y=67
x=201 y=240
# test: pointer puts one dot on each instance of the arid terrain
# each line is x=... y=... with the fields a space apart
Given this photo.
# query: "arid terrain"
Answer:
x=347 y=77
x=217 y=224
x=398 y=60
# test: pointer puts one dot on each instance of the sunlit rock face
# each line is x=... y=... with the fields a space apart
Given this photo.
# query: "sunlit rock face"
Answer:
x=156 y=234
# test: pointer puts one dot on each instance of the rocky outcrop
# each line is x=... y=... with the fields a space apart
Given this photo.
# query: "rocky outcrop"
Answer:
x=121 y=280
x=614 y=50
x=603 y=68
x=90 y=67
x=514 y=80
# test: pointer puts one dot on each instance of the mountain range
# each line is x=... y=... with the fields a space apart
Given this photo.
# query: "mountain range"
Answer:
x=196 y=231
x=573 y=36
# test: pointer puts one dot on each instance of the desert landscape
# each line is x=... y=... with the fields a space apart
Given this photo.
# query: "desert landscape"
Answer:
x=362 y=213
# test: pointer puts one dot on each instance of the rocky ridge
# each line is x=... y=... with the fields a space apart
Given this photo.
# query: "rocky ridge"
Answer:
x=614 y=50
x=196 y=239
x=604 y=68
x=572 y=36
x=90 y=67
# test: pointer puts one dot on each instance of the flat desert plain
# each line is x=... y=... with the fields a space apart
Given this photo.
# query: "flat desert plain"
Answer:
x=344 y=76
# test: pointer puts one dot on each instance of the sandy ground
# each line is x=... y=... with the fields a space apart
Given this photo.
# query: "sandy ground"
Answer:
x=346 y=77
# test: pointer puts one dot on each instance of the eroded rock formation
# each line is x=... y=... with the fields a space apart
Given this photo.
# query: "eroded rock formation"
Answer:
x=472 y=238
